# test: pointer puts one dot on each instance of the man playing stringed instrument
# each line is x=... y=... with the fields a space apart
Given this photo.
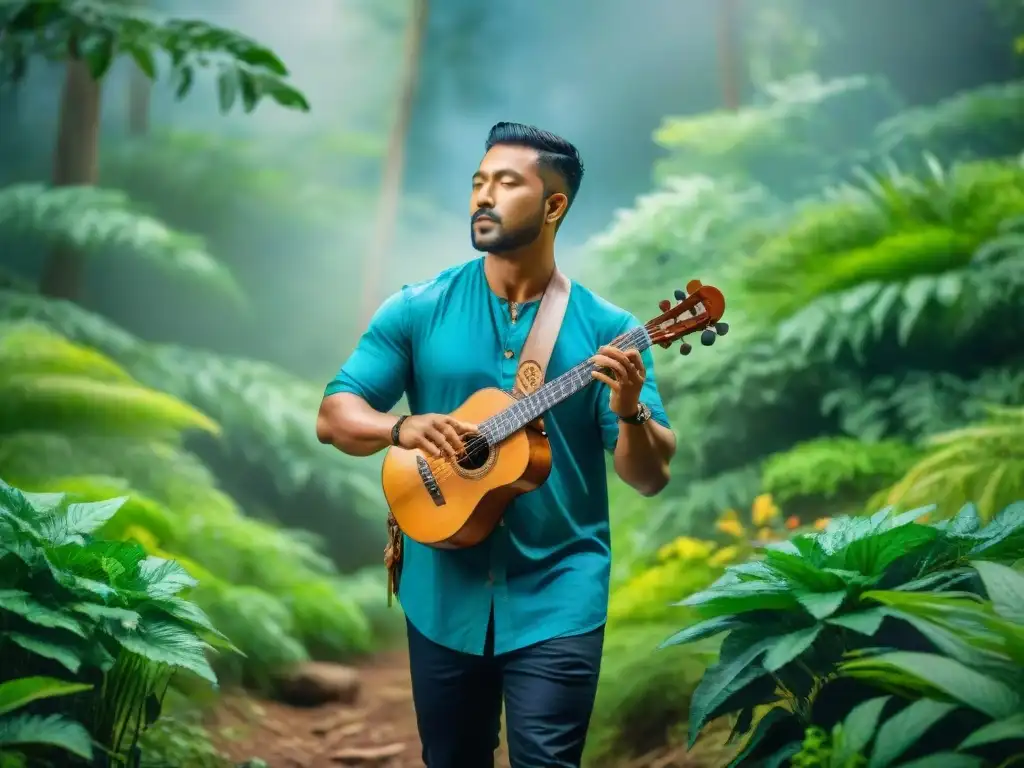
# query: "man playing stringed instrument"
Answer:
x=519 y=617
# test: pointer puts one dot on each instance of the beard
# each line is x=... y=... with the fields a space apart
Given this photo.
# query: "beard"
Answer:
x=500 y=239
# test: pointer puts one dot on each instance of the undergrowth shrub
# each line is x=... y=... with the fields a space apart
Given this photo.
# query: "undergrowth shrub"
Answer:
x=899 y=641
x=98 y=620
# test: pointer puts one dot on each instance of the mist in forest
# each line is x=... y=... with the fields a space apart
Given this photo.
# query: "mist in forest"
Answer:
x=600 y=72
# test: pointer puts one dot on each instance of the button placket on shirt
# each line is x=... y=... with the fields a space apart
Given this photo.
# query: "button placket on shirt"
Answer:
x=514 y=337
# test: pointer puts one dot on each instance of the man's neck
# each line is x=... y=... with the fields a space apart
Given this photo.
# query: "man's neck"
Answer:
x=520 y=276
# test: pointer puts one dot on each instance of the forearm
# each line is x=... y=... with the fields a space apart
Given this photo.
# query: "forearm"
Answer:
x=642 y=455
x=351 y=425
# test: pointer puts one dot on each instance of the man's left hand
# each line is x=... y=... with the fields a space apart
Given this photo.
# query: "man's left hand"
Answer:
x=626 y=381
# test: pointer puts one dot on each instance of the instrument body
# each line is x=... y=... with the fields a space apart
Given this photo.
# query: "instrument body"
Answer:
x=475 y=497
x=451 y=504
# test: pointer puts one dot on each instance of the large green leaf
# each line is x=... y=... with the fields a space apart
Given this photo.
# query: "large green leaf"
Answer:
x=741 y=597
x=789 y=646
x=904 y=729
x=167 y=642
x=80 y=520
x=21 y=603
x=15 y=694
x=1005 y=588
x=53 y=730
x=802 y=572
x=859 y=727
x=723 y=680
x=64 y=653
x=872 y=554
x=1008 y=728
x=164 y=578
x=926 y=673
x=821 y=605
x=702 y=630
x=866 y=622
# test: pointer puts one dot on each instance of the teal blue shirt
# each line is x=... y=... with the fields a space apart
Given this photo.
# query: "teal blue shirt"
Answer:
x=544 y=571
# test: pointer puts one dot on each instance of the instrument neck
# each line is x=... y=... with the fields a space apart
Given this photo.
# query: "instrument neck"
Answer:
x=509 y=421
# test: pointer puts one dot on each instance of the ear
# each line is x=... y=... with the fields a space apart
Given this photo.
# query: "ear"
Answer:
x=555 y=207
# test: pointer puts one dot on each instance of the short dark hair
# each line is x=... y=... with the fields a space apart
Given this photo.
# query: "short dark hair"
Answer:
x=554 y=153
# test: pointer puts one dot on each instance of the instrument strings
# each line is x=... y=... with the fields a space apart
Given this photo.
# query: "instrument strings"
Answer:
x=445 y=466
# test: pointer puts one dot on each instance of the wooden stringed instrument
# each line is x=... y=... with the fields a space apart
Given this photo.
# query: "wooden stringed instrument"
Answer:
x=453 y=504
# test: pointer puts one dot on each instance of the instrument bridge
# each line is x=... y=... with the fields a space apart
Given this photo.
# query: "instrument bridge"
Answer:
x=429 y=481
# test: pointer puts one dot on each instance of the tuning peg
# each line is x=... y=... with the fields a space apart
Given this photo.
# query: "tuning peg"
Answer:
x=680 y=294
x=721 y=328
x=685 y=348
x=664 y=305
x=707 y=337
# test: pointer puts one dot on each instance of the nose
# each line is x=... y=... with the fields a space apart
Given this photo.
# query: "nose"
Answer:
x=484 y=197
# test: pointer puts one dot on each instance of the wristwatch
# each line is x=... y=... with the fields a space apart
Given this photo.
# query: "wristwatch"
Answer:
x=642 y=416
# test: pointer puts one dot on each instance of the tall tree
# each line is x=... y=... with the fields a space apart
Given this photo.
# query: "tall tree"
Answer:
x=89 y=35
x=730 y=54
x=386 y=219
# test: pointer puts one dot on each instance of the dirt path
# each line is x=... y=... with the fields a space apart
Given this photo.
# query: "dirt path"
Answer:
x=379 y=729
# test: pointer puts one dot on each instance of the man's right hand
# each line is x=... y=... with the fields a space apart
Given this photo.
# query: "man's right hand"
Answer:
x=435 y=434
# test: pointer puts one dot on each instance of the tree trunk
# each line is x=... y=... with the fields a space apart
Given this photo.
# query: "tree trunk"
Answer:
x=140 y=88
x=394 y=161
x=730 y=55
x=75 y=162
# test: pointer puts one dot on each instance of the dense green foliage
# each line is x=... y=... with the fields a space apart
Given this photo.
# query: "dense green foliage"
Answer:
x=866 y=317
x=95 y=620
x=72 y=420
x=97 y=31
x=873 y=631
x=203 y=445
x=873 y=268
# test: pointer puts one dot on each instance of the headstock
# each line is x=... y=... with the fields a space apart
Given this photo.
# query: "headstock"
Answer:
x=700 y=308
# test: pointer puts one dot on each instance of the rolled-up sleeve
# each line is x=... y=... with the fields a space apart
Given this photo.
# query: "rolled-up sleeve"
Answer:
x=649 y=395
x=379 y=367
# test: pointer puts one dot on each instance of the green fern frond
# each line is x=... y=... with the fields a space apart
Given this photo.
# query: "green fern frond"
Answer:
x=983 y=463
x=30 y=349
x=265 y=414
x=889 y=229
x=922 y=403
x=982 y=121
x=268 y=418
x=684 y=229
x=71 y=321
x=775 y=133
x=102 y=222
x=79 y=404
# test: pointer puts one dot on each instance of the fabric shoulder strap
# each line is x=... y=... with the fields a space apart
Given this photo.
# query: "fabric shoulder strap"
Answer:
x=540 y=343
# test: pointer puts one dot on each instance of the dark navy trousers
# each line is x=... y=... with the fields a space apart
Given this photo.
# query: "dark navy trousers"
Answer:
x=548 y=691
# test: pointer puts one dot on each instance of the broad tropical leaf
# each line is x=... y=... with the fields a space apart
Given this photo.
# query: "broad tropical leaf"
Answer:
x=19 y=692
x=52 y=730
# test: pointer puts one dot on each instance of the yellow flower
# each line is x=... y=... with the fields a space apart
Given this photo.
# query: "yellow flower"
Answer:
x=724 y=556
x=821 y=523
x=765 y=534
x=729 y=524
x=686 y=548
x=763 y=510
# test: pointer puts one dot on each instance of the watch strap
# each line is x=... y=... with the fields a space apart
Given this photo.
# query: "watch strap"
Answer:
x=642 y=416
x=397 y=429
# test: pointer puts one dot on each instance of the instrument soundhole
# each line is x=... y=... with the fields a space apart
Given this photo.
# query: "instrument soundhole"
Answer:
x=478 y=452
